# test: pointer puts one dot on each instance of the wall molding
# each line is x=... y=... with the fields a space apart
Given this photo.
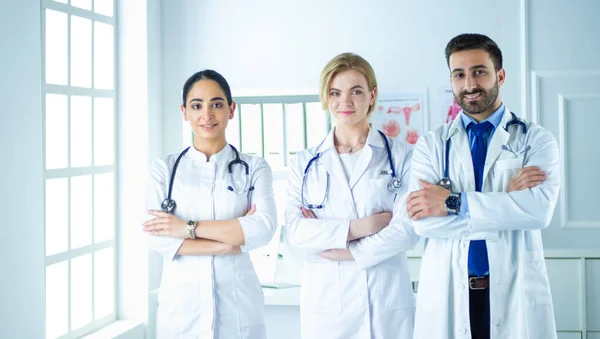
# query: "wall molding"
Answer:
x=563 y=100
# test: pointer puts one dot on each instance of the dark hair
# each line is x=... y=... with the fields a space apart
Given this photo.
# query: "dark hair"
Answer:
x=207 y=74
x=470 y=41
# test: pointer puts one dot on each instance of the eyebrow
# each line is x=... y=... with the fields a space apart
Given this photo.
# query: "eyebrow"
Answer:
x=213 y=99
x=353 y=87
x=474 y=67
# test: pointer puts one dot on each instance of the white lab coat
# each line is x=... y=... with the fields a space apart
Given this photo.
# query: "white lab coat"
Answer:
x=211 y=296
x=521 y=304
x=371 y=297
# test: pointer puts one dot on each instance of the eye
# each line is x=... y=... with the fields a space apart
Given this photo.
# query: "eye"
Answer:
x=217 y=105
x=334 y=93
x=458 y=75
x=480 y=72
x=196 y=106
x=357 y=92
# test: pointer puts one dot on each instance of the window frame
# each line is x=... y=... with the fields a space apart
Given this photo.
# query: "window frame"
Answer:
x=92 y=170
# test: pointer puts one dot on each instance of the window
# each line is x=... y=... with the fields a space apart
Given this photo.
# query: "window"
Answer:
x=79 y=140
x=275 y=127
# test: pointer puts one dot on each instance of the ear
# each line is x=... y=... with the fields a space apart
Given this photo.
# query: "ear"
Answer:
x=373 y=95
x=232 y=110
x=182 y=108
x=501 y=74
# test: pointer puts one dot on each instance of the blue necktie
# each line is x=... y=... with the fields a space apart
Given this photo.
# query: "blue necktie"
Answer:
x=478 y=258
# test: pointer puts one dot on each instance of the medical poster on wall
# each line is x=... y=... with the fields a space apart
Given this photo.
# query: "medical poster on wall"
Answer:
x=447 y=106
x=400 y=116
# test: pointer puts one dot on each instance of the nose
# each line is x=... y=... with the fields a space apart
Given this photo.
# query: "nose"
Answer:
x=206 y=113
x=470 y=83
x=346 y=99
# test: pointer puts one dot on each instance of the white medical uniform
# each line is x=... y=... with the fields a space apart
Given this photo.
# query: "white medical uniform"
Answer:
x=372 y=296
x=212 y=296
x=520 y=300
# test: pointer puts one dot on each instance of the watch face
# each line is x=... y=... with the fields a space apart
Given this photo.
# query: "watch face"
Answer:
x=452 y=202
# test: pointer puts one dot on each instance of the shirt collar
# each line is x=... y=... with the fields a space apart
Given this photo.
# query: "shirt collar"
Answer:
x=495 y=118
x=199 y=156
x=373 y=139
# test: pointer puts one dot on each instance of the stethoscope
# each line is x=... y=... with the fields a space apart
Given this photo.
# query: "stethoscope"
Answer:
x=168 y=205
x=393 y=185
x=446 y=183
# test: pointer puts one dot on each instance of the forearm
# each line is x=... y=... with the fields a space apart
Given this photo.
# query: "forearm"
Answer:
x=519 y=210
x=317 y=234
x=206 y=247
x=225 y=231
x=337 y=255
x=359 y=228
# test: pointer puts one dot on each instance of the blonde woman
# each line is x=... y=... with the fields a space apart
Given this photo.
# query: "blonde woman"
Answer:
x=346 y=209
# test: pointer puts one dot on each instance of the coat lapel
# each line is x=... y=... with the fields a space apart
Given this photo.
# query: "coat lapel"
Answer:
x=461 y=148
x=499 y=138
x=333 y=165
x=374 y=140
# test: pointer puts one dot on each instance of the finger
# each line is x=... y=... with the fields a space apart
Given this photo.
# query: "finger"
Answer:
x=414 y=195
x=158 y=233
x=414 y=210
x=532 y=184
x=159 y=214
x=529 y=168
x=536 y=177
x=418 y=215
x=425 y=184
x=153 y=228
x=155 y=221
x=311 y=214
x=305 y=213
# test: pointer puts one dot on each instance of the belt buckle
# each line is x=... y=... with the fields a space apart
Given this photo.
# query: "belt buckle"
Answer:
x=473 y=283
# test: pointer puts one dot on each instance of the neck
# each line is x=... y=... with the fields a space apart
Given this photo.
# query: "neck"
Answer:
x=209 y=147
x=351 y=135
x=479 y=117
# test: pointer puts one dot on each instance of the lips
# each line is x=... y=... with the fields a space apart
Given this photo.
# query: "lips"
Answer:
x=345 y=112
x=472 y=96
x=208 y=127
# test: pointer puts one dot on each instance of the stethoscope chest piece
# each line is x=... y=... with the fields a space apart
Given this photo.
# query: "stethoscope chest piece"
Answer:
x=445 y=183
x=168 y=205
x=394 y=185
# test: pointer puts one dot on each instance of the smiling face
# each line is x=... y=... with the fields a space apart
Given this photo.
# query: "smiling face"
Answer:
x=349 y=98
x=207 y=111
x=475 y=82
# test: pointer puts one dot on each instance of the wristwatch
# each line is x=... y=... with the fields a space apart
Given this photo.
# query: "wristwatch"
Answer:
x=453 y=203
x=191 y=228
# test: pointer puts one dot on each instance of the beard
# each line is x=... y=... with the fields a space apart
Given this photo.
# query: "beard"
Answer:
x=485 y=101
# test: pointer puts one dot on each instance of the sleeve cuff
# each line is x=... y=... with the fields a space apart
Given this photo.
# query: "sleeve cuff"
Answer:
x=464 y=205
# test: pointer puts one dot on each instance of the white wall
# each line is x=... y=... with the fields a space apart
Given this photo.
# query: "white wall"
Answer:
x=283 y=45
x=22 y=301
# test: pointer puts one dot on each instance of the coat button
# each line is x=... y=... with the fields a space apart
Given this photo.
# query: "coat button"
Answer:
x=463 y=286
x=464 y=331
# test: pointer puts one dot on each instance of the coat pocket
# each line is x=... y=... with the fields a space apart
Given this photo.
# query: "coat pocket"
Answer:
x=431 y=287
x=535 y=279
x=250 y=299
x=504 y=171
x=321 y=289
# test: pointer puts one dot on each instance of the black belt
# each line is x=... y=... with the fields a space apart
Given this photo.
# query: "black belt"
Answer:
x=479 y=283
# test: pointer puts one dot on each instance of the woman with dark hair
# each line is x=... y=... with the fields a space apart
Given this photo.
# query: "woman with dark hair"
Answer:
x=210 y=206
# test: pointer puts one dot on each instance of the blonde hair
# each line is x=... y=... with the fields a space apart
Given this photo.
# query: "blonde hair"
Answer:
x=341 y=63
